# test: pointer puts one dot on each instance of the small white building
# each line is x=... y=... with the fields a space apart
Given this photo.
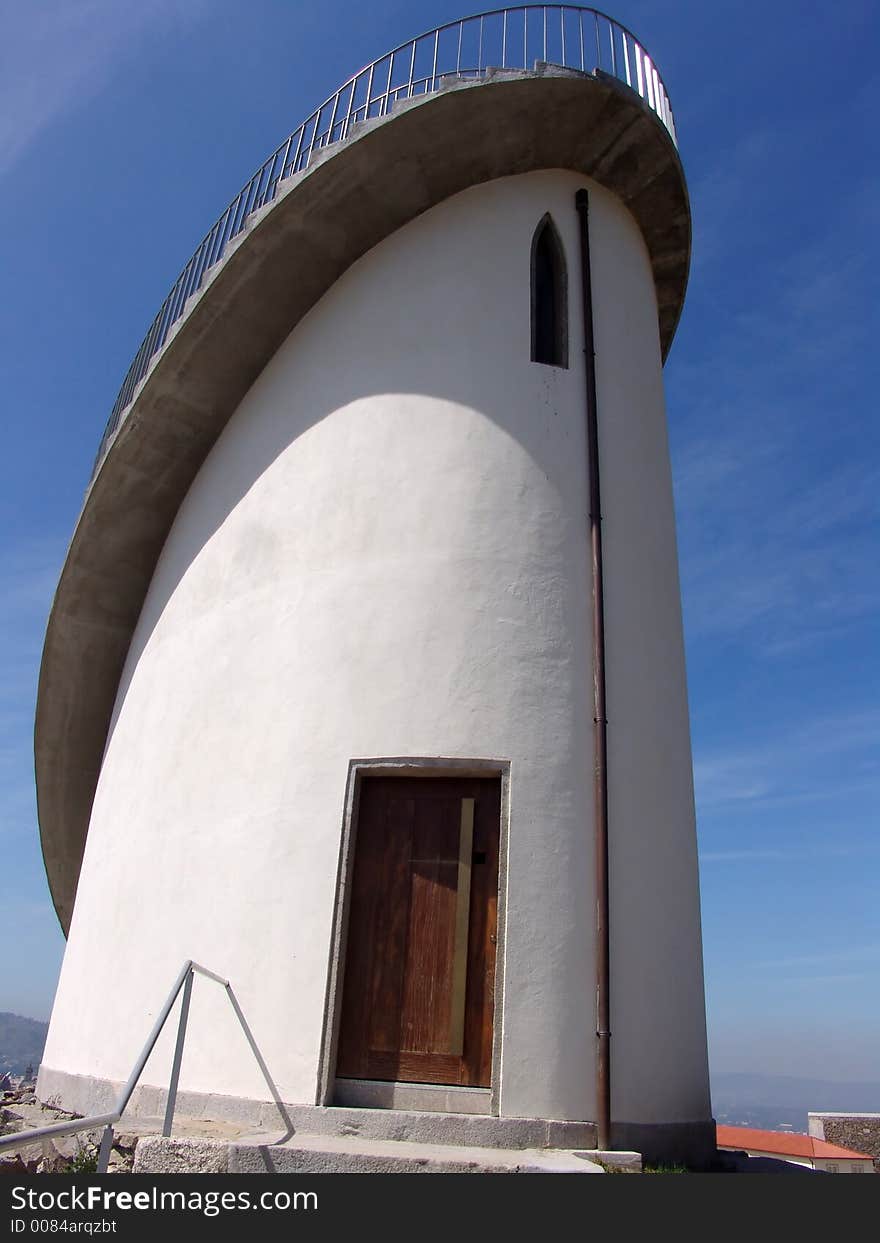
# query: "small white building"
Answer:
x=805 y=1150
x=318 y=703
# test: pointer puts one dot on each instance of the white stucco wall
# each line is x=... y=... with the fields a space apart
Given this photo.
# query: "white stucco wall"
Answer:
x=842 y=1165
x=385 y=554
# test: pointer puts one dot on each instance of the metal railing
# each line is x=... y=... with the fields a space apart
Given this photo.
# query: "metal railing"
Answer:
x=514 y=38
x=184 y=981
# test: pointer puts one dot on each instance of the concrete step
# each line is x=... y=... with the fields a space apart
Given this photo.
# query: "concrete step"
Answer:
x=421 y=1126
x=338 y=1154
x=443 y=1126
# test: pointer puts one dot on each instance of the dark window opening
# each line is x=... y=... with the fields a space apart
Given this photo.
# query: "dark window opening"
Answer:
x=549 y=297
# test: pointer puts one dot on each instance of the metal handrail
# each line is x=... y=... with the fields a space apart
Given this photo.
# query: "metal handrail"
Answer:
x=184 y=981
x=511 y=38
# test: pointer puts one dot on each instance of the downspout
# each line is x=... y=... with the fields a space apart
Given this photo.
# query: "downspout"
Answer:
x=600 y=753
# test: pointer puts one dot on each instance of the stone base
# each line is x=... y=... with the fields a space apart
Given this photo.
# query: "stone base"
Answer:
x=434 y=1098
x=669 y=1143
x=687 y=1143
x=333 y=1154
x=85 y=1095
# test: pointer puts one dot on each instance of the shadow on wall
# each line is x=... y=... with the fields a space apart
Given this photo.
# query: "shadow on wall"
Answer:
x=742 y=1163
x=396 y=330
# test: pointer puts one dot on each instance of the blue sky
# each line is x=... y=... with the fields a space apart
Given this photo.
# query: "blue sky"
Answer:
x=125 y=130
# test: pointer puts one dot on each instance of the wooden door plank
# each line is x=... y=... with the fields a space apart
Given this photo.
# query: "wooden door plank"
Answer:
x=360 y=955
x=428 y=974
x=391 y=924
x=458 y=985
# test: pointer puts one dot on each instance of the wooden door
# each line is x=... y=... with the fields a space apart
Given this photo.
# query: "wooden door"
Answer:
x=417 y=1003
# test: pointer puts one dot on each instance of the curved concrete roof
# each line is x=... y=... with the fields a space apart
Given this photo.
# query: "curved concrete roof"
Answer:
x=351 y=196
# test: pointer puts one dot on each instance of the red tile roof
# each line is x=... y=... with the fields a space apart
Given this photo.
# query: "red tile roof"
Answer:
x=786 y=1143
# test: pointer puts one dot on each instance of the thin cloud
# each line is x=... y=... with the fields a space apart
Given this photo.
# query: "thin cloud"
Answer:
x=721 y=195
x=798 y=571
x=775 y=533
x=843 y=977
x=793 y=767
x=56 y=54
x=744 y=856
x=29 y=572
x=788 y=854
x=849 y=955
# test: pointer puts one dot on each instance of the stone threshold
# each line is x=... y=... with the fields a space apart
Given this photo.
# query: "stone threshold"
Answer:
x=338 y=1154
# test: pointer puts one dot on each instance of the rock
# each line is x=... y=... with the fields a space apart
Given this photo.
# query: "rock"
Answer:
x=28 y=1156
x=120 y=1162
x=12 y=1163
x=30 y=1117
x=157 y=1155
x=53 y=1161
x=10 y=1122
x=69 y=1146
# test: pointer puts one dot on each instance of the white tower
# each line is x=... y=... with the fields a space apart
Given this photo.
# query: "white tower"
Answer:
x=325 y=685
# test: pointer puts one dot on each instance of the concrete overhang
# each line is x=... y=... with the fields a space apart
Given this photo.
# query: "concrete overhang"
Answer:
x=352 y=195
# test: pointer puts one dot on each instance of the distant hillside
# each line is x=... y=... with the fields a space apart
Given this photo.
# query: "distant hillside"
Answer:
x=21 y=1043
x=774 y=1101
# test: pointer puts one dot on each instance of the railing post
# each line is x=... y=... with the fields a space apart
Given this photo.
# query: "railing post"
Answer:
x=104 y=1150
x=107 y=1121
x=178 y=1055
x=258 y=1057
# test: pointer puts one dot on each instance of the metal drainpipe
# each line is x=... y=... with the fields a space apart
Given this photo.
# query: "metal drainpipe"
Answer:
x=600 y=755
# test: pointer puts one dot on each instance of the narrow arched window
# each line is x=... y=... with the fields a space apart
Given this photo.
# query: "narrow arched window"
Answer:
x=549 y=297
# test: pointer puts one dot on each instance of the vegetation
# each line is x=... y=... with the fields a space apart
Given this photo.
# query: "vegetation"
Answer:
x=84 y=1162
